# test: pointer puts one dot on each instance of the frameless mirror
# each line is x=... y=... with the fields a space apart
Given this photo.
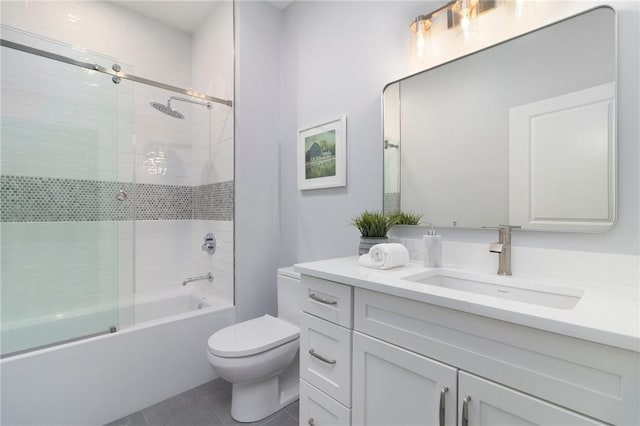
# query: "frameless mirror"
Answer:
x=521 y=133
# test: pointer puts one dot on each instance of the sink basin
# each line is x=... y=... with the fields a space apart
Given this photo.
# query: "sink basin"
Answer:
x=508 y=288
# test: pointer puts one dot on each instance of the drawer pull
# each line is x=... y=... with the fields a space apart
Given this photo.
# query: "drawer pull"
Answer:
x=321 y=358
x=441 y=415
x=311 y=421
x=465 y=410
x=322 y=299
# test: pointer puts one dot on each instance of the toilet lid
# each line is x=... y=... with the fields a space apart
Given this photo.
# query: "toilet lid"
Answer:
x=252 y=337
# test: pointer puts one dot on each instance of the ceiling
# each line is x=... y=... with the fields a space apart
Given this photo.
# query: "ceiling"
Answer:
x=185 y=15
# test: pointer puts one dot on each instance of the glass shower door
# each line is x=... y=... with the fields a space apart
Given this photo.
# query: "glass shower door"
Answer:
x=63 y=198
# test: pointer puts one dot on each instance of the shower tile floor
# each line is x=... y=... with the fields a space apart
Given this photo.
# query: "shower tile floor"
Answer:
x=206 y=405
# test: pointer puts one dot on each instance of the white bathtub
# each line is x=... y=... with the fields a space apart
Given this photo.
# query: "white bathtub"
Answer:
x=103 y=378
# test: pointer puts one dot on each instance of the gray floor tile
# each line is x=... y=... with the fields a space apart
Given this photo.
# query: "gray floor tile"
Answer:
x=206 y=405
x=135 y=419
x=183 y=410
x=294 y=410
x=281 y=418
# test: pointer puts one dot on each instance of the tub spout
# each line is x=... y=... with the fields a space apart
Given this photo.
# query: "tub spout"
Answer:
x=208 y=276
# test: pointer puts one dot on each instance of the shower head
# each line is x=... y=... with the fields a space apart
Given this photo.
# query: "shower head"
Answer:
x=166 y=109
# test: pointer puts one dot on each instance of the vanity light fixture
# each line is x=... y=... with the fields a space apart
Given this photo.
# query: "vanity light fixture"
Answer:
x=459 y=14
x=421 y=30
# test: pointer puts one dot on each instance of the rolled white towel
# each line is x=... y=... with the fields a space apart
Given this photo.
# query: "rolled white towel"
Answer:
x=385 y=256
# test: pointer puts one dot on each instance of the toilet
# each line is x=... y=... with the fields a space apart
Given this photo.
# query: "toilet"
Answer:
x=260 y=356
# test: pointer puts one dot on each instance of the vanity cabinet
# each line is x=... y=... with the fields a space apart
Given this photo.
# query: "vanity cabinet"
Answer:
x=325 y=353
x=393 y=386
x=372 y=358
x=485 y=403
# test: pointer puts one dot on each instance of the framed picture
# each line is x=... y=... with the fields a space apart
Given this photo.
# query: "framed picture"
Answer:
x=322 y=155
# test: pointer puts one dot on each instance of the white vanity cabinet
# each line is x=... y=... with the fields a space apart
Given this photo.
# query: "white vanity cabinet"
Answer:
x=417 y=363
x=511 y=374
x=325 y=353
x=393 y=386
x=485 y=403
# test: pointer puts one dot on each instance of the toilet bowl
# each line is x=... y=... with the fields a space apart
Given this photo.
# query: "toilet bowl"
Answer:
x=260 y=356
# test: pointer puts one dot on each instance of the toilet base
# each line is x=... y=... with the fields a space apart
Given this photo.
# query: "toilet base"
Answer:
x=251 y=402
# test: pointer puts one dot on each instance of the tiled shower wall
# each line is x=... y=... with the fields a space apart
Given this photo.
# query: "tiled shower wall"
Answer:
x=61 y=180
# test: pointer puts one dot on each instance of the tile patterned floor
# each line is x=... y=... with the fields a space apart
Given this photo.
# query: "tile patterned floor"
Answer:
x=206 y=405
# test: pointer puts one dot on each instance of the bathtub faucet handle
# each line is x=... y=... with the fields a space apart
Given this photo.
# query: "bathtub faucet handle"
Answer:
x=210 y=243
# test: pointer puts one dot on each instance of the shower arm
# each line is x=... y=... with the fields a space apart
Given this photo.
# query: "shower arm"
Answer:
x=191 y=101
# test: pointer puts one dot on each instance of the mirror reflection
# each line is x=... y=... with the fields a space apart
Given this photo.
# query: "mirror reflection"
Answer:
x=521 y=133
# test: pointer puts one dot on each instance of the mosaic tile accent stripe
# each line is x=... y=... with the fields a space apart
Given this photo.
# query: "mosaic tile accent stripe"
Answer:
x=35 y=199
x=163 y=202
x=214 y=201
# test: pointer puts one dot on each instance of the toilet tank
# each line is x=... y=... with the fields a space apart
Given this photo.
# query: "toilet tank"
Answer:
x=290 y=295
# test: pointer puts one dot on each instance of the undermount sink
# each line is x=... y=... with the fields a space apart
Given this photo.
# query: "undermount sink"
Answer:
x=508 y=288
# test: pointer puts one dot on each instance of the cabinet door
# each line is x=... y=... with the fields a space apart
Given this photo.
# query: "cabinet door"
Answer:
x=393 y=386
x=481 y=402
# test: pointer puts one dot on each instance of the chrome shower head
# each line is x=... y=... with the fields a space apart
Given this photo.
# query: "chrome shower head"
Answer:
x=166 y=109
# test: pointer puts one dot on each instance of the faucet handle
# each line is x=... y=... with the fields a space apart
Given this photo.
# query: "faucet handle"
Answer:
x=509 y=227
x=503 y=227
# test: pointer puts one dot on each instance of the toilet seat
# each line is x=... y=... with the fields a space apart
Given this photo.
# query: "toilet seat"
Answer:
x=252 y=337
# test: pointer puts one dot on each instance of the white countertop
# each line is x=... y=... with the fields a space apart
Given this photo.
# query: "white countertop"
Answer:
x=606 y=315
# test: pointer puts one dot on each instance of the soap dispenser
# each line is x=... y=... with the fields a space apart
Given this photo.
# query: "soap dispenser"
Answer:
x=432 y=248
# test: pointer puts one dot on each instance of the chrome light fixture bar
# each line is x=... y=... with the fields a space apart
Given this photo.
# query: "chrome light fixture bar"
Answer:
x=114 y=71
x=457 y=11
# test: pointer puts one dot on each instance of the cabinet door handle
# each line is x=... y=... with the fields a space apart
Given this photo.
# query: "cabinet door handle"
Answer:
x=311 y=421
x=442 y=412
x=321 y=358
x=322 y=299
x=465 y=410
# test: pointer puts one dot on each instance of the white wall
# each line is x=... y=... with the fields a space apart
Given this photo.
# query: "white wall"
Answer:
x=337 y=57
x=258 y=62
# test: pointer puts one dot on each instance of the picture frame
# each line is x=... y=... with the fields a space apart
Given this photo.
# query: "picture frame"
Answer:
x=322 y=155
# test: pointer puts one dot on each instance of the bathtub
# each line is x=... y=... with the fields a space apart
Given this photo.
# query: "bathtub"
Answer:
x=100 y=379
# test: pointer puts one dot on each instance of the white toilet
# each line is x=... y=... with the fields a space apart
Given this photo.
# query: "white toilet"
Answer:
x=260 y=356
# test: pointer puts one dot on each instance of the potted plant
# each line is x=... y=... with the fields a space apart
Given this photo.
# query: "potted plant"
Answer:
x=405 y=218
x=373 y=227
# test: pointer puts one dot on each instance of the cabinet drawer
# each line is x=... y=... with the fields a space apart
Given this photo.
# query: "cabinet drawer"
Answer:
x=325 y=357
x=318 y=409
x=328 y=300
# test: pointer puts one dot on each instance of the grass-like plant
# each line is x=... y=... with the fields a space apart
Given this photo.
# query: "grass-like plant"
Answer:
x=405 y=218
x=373 y=224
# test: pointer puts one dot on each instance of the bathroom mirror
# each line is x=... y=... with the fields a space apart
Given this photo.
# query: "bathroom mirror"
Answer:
x=520 y=133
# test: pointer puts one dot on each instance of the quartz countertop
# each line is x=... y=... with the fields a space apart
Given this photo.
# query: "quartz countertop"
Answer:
x=604 y=314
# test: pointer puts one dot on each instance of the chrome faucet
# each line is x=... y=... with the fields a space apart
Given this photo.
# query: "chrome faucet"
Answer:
x=503 y=247
x=208 y=276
